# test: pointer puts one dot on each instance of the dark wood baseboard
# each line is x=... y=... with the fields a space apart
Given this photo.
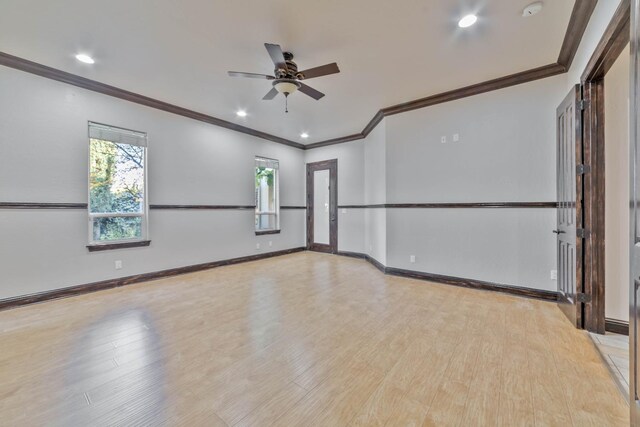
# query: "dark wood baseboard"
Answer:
x=129 y=280
x=23 y=300
x=616 y=326
x=377 y=264
x=352 y=254
x=476 y=284
x=457 y=281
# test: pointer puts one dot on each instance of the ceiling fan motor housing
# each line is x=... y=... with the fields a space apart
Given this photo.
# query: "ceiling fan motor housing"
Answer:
x=292 y=69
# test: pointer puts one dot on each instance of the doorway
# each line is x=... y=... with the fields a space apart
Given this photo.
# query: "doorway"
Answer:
x=322 y=206
x=593 y=198
x=597 y=141
x=585 y=176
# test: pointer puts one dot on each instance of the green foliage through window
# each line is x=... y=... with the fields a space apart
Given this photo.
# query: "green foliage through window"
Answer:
x=116 y=186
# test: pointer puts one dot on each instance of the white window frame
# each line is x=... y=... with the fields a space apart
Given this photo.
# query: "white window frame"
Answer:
x=144 y=215
x=276 y=196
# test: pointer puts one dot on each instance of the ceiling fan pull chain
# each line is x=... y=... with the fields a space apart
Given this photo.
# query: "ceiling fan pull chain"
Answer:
x=286 y=103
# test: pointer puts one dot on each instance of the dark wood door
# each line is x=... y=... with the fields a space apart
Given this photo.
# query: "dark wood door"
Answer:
x=569 y=190
x=322 y=206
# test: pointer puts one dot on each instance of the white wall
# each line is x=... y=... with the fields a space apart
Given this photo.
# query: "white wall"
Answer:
x=361 y=180
x=350 y=190
x=506 y=153
x=375 y=177
x=616 y=111
x=43 y=158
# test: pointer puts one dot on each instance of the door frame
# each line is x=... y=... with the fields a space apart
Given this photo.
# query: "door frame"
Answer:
x=634 y=98
x=611 y=45
x=332 y=166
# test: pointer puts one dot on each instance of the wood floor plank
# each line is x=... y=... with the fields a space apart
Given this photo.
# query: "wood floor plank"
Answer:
x=387 y=405
x=307 y=339
x=336 y=400
x=268 y=412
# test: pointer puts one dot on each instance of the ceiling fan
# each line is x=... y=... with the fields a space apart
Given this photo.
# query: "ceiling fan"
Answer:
x=287 y=78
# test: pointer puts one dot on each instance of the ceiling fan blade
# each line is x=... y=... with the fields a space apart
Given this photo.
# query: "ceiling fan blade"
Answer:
x=275 y=52
x=270 y=95
x=307 y=90
x=323 y=70
x=249 y=75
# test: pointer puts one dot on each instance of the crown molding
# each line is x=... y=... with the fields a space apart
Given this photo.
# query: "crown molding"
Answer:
x=580 y=15
x=452 y=95
x=95 y=86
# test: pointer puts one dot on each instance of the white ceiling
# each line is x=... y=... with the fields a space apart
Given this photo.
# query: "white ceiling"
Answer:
x=388 y=51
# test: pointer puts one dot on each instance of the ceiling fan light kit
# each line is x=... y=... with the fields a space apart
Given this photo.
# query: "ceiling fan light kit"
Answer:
x=285 y=86
x=287 y=79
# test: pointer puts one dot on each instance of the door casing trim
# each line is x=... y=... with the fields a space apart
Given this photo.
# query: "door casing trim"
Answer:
x=611 y=45
x=332 y=166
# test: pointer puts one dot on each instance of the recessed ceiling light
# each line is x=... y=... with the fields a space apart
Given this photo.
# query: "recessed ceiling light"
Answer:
x=241 y=113
x=467 y=21
x=85 y=58
x=304 y=135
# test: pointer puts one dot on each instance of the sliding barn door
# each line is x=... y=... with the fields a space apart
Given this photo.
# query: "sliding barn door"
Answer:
x=634 y=282
x=569 y=189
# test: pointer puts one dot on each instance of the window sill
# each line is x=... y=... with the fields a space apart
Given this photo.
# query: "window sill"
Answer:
x=264 y=232
x=110 y=246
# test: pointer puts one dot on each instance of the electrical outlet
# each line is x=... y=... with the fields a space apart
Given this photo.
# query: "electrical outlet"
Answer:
x=412 y=259
x=118 y=265
x=257 y=246
x=554 y=274
x=456 y=137
x=443 y=139
x=270 y=243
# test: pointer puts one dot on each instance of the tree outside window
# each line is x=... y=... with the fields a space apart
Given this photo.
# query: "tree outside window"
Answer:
x=117 y=201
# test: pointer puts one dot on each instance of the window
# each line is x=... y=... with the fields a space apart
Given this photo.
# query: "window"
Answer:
x=267 y=203
x=117 y=185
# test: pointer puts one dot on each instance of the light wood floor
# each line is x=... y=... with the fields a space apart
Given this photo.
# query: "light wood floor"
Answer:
x=303 y=340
